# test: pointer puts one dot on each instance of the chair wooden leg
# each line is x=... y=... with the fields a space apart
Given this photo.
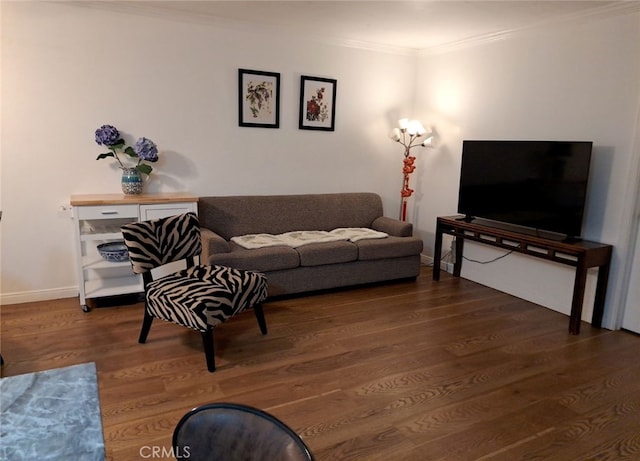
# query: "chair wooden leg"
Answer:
x=260 y=317
x=146 y=326
x=207 y=341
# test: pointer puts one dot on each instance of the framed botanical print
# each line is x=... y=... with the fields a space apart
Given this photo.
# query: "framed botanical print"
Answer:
x=317 y=103
x=258 y=98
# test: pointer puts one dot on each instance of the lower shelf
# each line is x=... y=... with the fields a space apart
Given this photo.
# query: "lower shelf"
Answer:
x=99 y=288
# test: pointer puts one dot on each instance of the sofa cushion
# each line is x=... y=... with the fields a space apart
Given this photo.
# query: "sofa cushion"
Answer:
x=390 y=247
x=260 y=259
x=317 y=254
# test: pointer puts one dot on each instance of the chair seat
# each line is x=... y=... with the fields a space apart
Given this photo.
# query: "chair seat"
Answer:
x=205 y=296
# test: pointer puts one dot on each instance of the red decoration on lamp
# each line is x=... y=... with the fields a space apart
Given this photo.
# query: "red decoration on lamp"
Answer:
x=409 y=134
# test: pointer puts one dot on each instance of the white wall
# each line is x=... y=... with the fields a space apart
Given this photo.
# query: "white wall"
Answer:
x=69 y=69
x=577 y=81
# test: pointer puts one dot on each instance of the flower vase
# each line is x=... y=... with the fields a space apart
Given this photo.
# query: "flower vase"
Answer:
x=131 y=181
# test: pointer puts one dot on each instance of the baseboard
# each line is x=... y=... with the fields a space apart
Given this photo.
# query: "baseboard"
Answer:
x=71 y=292
x=39 y=295
x=428 y=261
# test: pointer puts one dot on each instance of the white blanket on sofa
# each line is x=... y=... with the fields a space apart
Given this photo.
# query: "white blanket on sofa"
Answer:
x=299 y=238
x=358 y=233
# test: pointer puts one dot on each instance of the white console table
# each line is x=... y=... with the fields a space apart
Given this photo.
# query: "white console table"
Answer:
x=97 y=219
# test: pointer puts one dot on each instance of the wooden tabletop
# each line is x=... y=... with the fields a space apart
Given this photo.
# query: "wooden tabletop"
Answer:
x=122 y=199
x=508 y=231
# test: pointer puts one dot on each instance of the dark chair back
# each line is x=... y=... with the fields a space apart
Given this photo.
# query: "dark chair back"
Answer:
x=235 y=432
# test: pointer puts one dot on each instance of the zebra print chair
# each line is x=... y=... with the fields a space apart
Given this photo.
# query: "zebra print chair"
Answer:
x=198 y=297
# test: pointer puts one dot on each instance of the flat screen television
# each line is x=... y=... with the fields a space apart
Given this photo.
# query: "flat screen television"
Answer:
x=539 y=186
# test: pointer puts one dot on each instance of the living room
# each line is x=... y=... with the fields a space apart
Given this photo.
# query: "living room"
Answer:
x=69 y=68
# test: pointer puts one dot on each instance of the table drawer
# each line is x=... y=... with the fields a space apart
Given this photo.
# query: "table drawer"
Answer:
x=166 y=209
x=107 y=211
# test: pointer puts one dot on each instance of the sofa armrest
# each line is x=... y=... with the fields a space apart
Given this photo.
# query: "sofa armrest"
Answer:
x=393 y=227
x=212 y=243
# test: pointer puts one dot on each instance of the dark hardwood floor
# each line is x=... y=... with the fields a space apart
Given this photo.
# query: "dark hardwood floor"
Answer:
x=422 y=370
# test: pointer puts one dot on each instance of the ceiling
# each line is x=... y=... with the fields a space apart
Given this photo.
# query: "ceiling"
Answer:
x=408 y=25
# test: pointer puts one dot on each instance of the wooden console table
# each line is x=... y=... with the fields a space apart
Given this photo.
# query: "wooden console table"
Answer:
x=581 y=254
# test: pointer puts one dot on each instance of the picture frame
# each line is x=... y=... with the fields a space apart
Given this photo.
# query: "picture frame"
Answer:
x=317 y=103
x=258 y=98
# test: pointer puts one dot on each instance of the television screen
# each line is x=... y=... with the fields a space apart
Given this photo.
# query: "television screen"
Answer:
x=540 y=185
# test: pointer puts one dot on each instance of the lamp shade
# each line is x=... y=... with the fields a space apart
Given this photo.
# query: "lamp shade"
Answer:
x=429 y=142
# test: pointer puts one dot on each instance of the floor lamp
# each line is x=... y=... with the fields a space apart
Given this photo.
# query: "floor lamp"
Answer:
x=410 y=133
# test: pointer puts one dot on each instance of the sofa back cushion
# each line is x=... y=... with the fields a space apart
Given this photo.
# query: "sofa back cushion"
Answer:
x=231 y=216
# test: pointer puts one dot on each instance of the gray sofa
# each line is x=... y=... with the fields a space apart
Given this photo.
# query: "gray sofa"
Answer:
x=314 y=266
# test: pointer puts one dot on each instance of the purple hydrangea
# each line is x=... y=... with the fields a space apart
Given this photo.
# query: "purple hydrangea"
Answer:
x=107 y=135
x=146 y=149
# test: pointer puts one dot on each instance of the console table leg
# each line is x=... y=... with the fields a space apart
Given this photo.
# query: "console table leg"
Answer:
x=437 y=252
x=457 y=266
x=578 y=298
x=601 y=291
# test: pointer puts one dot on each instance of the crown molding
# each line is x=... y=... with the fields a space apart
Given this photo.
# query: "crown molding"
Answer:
x=613 y=9
x=159 y=10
